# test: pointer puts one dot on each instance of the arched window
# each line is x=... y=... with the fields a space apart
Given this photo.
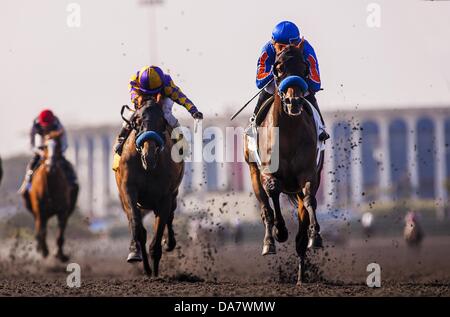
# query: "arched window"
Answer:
x=188 y=177
x=342 y=160
x=447 y=154
x=398 y=158
x=211 y=169
x=370 y=161
x=426 y=157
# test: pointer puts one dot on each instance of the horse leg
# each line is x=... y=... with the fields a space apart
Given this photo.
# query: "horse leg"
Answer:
x=41 y=234
x=138 y=232
x=272 y=188
x=73 y=196
x=155 y=249
x=62 y=222
x=280 y=231
x=170 y=243
x=301 y=240
x=310 y=203
x=266 y=211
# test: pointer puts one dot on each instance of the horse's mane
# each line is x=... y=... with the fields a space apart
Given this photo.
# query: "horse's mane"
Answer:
x=150 y=104
x=290 y=52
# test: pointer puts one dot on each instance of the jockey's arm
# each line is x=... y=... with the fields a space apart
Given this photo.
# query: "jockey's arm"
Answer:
x=314 y=82
x=60 y=133
x=174 y=92
x=264 y=66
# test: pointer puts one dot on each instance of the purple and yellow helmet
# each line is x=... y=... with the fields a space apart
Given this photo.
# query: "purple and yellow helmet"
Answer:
x=151 y=79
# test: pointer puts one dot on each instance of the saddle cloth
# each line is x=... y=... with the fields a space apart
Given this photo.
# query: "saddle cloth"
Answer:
x=252 y=134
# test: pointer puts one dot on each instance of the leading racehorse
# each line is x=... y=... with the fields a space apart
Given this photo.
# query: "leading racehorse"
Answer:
x=148 y=180
x=297 y=173
x=51 y=194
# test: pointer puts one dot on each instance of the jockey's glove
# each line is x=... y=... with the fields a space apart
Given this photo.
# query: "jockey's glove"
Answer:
x=197 y=115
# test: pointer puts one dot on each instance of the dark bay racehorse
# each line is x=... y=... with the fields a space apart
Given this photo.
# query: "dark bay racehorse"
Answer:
x=148 y=180
x=297 y=174
x=50 y=195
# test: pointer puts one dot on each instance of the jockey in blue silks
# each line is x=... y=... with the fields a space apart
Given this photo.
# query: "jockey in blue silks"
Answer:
x=286 y=33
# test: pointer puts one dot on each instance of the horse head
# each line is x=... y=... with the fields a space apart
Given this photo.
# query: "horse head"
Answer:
x=52 y=152
x=150 y=139
x=290 y=70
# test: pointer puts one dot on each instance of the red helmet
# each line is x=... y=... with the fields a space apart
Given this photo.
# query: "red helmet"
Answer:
x=46 y=118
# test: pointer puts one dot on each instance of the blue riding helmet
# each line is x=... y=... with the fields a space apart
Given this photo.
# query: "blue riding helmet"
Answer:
x=286 y=33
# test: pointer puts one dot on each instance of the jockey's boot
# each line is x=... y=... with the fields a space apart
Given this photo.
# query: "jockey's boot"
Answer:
x=312 y=99
x=118 y=146
x=31 y=167
x=26 y=184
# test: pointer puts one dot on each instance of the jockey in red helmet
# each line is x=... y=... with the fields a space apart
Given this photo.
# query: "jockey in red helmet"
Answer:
x=287 y=33
x=151 y=82
x=43 y=124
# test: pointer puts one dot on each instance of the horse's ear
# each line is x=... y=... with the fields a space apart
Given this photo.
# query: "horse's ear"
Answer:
x=301 y=45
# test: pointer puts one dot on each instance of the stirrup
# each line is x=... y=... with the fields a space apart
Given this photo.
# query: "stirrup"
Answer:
x=252 y=124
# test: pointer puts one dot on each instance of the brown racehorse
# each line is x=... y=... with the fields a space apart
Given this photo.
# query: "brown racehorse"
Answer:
x=297 y=173
x=50 y=195
x=148 y=180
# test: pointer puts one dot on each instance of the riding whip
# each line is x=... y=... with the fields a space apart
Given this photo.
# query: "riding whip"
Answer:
x=243 y=107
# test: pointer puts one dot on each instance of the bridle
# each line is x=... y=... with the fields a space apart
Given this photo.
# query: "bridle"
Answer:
x=142 y=134
x=284 y=81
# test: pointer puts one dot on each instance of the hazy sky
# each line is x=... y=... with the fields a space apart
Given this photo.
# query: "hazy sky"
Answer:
x=211 y=48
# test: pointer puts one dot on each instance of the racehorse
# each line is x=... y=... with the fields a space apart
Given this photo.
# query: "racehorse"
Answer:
x=148 y=180
x=299 y=163
x=50 y=194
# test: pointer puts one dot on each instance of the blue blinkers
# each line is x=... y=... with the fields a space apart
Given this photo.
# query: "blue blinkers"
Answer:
x=149 y=135
x=293 y=81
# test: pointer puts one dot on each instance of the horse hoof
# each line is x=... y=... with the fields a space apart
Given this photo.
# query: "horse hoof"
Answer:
x=62 y=257
x=269 y=249
x=281 y=235
x=134 y=257
x=315 y=242
x=170 y=244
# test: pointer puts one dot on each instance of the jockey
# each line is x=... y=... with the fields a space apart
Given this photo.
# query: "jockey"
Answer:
x=45 y=123
x=283 y=34
x=151 y=82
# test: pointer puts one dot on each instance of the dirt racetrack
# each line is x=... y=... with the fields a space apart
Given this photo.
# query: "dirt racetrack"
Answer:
x=230 y=270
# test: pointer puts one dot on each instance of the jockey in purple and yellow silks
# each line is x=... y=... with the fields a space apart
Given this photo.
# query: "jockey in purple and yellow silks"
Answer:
x=286 y=33
x=151 y=82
